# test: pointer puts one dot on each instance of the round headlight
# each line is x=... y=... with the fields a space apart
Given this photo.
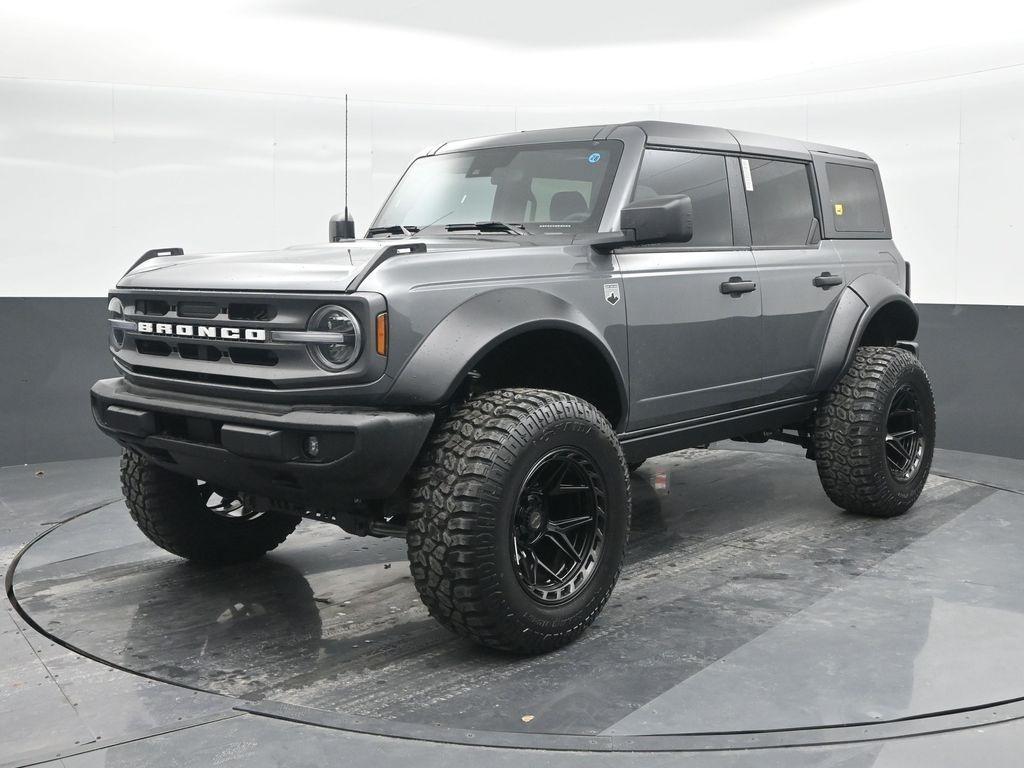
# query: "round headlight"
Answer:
x=340 y=354
x=115 y=311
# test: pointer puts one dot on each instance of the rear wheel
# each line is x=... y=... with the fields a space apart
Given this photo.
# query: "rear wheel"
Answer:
x=194 y=520
x=875 y=432
x=519 y=519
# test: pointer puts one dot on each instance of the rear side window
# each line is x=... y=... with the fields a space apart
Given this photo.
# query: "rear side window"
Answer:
x=778 y=202
x=856 y=200
x=703 y=178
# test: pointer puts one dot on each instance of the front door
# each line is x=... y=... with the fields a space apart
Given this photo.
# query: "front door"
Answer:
x=694 y=347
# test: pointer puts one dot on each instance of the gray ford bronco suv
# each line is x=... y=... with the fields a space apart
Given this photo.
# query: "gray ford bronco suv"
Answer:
x=529 y=318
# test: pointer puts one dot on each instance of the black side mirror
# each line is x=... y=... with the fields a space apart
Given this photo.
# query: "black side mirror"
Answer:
x=667 y=219
x=342 y=227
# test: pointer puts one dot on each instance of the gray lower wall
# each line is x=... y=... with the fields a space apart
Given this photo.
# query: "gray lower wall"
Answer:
x=975 y=359
x=53 y=349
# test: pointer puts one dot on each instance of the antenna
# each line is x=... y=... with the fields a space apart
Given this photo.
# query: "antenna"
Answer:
x=346 y=155
x=341 y=227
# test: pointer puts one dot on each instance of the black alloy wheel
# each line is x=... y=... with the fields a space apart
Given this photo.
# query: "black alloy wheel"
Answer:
x=224 y=503
x=904 y=438
x=559 y=526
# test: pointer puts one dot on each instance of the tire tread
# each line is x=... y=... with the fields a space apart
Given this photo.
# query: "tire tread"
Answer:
x=849 y=428
x=453 y=507
x=169 y=514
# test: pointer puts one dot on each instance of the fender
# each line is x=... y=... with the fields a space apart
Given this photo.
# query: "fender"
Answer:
x=860 y=302
x=475 y=327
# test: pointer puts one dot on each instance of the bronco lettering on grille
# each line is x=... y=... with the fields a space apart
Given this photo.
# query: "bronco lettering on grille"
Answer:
x=202 y=331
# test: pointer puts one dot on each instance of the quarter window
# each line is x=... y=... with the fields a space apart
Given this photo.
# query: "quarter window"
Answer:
x=703 y=178
x=856 y=201
x=779 y=202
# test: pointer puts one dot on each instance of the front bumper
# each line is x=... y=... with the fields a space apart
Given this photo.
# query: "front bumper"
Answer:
x=258 y=448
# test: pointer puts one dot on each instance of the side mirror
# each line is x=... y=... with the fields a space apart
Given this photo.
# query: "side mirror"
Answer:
x=342 y=227
x=667 y=219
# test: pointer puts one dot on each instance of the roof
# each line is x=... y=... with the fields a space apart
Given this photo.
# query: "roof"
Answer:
x=661 y=133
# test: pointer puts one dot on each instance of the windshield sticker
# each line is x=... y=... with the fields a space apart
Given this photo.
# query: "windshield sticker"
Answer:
x=595 y=157
x=748 y=180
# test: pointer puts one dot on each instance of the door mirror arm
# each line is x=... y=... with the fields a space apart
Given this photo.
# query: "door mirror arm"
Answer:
x=606 y=242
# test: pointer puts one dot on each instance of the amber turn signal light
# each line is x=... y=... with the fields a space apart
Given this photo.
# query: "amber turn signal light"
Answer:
x=382 y=333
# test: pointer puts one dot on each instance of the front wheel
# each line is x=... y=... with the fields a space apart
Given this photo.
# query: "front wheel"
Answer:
x=519 y=519
x=875 y=432
x=192 y=519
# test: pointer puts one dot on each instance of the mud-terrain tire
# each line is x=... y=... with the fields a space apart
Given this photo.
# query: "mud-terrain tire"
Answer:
x=172 y=512
x=505 y=476
x=634 y=466
x=867 y=461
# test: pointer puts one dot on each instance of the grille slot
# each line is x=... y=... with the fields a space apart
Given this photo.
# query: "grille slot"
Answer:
x=151 y=347
x=211 y=378
x=152 y=307
x=247 y=356
x=240 y=311
x=198 y=309
x=199 y=352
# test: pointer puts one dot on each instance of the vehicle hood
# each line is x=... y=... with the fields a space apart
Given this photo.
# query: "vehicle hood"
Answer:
x=325 y=267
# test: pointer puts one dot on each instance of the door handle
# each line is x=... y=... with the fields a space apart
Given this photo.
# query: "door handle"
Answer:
x=826 y=280
x=736 y=286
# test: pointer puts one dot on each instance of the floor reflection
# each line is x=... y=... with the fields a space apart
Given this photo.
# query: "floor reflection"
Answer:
x=236 y=629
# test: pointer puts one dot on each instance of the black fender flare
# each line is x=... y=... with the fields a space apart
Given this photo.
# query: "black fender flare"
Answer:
x=477 y=326
x=860 y=301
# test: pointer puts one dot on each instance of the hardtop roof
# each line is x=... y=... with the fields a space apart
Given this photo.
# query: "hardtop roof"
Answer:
x=660 y=133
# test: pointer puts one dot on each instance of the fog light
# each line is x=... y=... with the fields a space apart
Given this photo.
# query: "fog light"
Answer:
x=311 y=446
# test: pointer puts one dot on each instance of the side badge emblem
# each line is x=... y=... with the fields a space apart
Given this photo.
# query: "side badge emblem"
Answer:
x=611 y=293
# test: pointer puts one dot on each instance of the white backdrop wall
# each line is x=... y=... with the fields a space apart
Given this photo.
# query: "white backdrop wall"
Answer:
x=92 y=174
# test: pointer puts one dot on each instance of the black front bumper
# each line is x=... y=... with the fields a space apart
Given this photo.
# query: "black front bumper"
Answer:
x=260 y=448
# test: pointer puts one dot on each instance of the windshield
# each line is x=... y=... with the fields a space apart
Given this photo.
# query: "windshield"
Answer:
x=541 y=188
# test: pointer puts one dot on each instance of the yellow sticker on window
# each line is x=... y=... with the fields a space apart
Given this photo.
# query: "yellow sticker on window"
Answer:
x=839 y=209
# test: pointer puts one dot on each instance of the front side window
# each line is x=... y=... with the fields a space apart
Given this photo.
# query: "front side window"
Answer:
x=856 y=200
x=703 y=178
x=552 y=188
x=779 y=202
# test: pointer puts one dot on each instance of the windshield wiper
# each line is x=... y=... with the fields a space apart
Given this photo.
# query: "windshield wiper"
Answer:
x=486 y=226
x=393 y=229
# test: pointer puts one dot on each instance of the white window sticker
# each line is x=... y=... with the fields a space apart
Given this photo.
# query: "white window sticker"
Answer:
x=748 y=180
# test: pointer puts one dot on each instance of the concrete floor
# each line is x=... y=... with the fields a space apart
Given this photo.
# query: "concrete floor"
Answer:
x=751 y=614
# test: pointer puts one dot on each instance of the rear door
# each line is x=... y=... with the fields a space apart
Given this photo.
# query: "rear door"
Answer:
x=693 y=350
x=800 y=276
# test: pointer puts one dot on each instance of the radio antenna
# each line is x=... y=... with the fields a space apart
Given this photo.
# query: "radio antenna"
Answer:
x=346 y=156
x=341 y=227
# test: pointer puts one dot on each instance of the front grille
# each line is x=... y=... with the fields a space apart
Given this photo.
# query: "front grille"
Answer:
x=265 y=364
